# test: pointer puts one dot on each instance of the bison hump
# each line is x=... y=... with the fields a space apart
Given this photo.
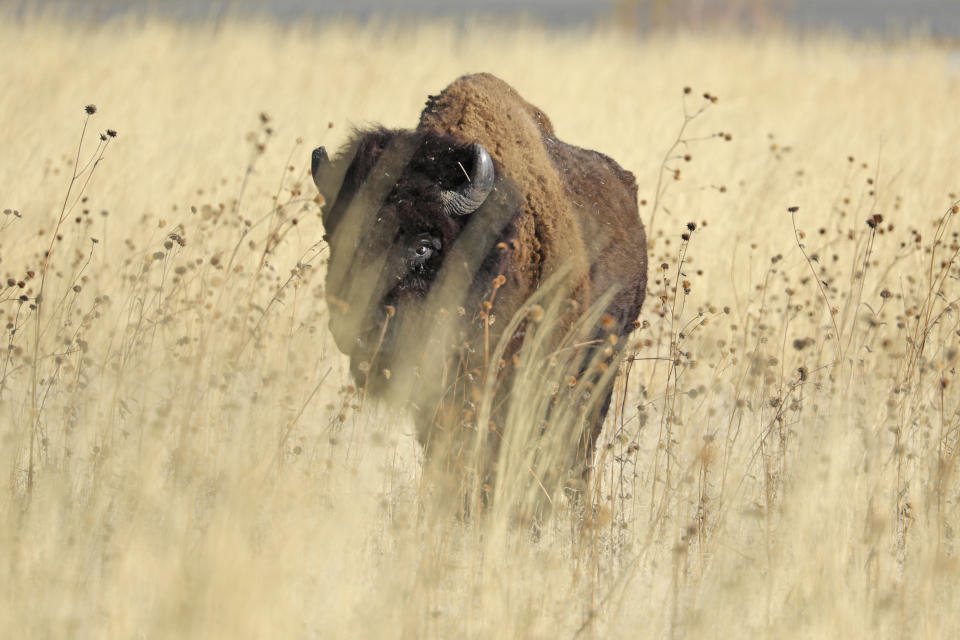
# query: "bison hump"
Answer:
x=483 y=108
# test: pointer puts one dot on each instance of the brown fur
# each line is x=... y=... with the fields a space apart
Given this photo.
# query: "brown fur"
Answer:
x=560 y=210
x=570 y=194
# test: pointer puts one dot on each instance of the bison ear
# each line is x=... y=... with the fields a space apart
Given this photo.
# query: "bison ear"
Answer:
x=318 y=162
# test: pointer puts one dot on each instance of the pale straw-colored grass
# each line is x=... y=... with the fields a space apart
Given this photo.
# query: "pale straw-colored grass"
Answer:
x=185 y=456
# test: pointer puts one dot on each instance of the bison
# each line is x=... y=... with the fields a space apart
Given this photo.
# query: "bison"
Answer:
x=448 y=243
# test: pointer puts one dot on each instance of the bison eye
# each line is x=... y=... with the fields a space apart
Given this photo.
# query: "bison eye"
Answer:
x=424 y=248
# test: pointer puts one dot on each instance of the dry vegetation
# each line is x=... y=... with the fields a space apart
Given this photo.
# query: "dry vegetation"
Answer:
x=184 y=454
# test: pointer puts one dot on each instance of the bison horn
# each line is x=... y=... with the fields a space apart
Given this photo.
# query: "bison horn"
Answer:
x=468 y=198
x=319 y=160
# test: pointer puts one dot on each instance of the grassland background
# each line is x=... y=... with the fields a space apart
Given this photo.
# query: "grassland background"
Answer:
x=201 y=466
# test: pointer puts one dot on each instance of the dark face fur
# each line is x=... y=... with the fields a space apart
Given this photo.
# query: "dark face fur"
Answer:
x=391 y=228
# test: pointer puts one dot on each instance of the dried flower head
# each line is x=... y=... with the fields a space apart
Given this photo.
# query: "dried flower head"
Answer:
x=90 y=109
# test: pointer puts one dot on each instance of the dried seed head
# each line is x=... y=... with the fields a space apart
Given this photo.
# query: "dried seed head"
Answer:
x=90 y=109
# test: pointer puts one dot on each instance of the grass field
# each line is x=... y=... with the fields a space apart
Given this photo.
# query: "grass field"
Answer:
x=184 y=454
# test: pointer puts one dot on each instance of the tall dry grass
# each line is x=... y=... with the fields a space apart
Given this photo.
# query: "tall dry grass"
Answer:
x=184 y=453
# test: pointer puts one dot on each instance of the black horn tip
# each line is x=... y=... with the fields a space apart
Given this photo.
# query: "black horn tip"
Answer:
x=317 y=161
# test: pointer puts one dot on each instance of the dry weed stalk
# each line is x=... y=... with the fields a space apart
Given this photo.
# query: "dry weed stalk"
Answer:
x=85 y=173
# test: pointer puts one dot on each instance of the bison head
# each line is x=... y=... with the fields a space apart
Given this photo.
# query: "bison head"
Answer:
x=407 y=214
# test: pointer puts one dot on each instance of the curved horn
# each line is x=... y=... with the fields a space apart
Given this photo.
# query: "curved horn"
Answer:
x=318 y=161
x=468 y=198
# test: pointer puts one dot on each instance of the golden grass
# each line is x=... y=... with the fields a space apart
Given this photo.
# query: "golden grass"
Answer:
x=183 y=453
